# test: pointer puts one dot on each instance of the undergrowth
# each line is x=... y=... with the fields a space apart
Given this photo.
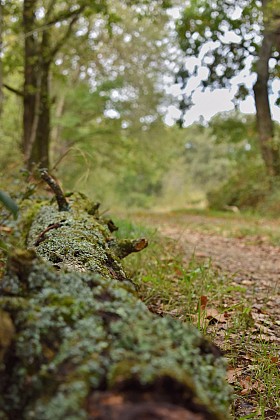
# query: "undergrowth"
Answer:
x=194 y=291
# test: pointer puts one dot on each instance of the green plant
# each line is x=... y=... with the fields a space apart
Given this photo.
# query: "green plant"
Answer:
x=173 y=286
x=9 y=203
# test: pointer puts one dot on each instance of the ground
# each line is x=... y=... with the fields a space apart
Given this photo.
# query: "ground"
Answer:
x=245 y=320
x=251 y=262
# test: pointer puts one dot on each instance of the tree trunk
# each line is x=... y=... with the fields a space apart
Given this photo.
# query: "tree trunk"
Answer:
x=56 y=131
x=269 y=148
x=30 y=88
x=76 y=343
x=36 y=115
x=39 y=55
x=40 y=136
x=1 y=54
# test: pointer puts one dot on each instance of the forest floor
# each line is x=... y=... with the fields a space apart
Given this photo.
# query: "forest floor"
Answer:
x=229 y=265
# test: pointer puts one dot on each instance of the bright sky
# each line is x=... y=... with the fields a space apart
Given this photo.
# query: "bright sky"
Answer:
x=209 y=103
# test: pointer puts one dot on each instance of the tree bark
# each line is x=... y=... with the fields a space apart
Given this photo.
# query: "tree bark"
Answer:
x=77 y=343
x=31 y=80
x=40 y=135
x=39 y=55
x=269 y=148
x=36 y=116
x=1 y=53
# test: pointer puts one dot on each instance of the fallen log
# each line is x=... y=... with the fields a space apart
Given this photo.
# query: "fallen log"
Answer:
x=76 y=342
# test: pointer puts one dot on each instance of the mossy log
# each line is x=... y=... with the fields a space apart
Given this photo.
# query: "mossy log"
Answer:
x=76 y=343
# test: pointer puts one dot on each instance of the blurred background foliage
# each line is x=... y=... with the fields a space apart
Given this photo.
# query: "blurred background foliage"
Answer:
x=108 y=136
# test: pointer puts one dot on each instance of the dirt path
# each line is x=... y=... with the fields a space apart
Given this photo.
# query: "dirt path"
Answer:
x=258 y=263
x=246 y=320
x=251 y=261
x=257 y=266
x=248 y=258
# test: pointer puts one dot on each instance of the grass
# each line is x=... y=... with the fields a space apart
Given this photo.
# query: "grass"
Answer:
x=196 y=292
x=165 y=280
x=253 y=227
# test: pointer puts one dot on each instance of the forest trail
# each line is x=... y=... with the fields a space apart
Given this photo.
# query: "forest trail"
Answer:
x=244 y=254
x=252 y=264
x=241 y=248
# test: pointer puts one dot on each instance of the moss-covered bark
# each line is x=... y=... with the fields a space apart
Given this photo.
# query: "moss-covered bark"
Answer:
x=77 y=343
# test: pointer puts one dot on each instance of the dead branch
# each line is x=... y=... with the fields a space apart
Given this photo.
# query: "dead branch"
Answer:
x=60 y=198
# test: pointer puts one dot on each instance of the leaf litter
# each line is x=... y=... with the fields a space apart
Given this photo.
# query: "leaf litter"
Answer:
x=246 y=324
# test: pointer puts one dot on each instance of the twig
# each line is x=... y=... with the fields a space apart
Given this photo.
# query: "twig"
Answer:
x=125 y=247
x=62 y=156
x=60 y=198
x=42 y=237
x=11 y=89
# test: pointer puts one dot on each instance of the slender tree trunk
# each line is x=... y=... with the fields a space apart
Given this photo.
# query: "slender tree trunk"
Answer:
x=269 y=148
x=61 y=148
x=39 y=152
x=39 y=54
x=30 y=71
x=35 y=81
x=1 y=66
x=56 y=131
x=36 y=116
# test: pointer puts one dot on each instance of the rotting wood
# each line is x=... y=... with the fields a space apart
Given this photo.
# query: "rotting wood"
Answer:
x=81 y=345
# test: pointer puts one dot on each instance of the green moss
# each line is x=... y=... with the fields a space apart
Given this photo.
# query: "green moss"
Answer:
x=28 y=211
x=80 y=328
x=78 y=331
x=79 y=243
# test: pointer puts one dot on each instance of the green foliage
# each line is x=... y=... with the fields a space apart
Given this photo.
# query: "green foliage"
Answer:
x=202 y=22
x=103 y=46
x=235 y=128
x=10 y=204
x=83 y=110
x=126 y=169
x=271 y=204
x=10 y=130
x=207 y=159
x=128 y=157
x=226 y=37
x=173 y=284
x=247 y=185
x=247 y=188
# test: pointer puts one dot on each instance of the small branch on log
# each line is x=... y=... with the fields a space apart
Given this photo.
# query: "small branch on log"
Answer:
x=126 y=246
x=111 y=225
x=60 y=198
x=42 y=237
x=93 y=211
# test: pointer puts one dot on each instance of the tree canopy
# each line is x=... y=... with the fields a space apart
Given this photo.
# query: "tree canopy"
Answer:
x=228 y=37
x=55 y=40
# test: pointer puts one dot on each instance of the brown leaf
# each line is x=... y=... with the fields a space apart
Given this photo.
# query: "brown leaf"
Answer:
x=233 y=374
x=5 y=229
x=215 y=316
x=246 y=384
x=203 y=302
x=275 y=360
